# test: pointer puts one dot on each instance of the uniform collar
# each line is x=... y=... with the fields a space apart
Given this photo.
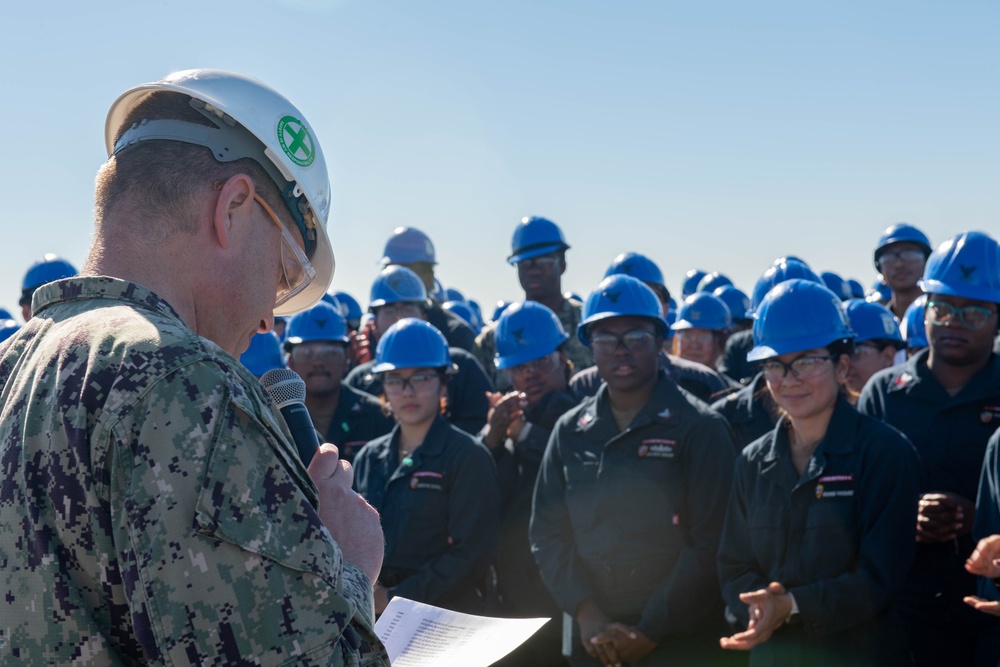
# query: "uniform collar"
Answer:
x=100 y=287
x=915 y=378
x=660 y=408
x=838 y=439
x=744 y=409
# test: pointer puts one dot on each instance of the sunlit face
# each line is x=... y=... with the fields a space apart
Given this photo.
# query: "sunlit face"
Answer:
x=902 y=265
x=866 y=360
x=414 y=394
x=814 y=392
x=538 y=377
x=321 y=364
x=541 y=277
x=626 y=352
x=390 y=313
x=700 y=345
x=952 y=342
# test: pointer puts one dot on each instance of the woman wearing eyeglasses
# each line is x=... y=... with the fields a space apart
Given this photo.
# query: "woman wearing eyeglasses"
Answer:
x=819 y=532
x=432 y=483
x=630 y=499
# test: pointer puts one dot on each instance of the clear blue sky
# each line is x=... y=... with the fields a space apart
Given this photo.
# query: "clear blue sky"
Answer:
x=714 y=135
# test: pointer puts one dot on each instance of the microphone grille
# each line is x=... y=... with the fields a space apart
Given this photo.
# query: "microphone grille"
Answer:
x=284 y=386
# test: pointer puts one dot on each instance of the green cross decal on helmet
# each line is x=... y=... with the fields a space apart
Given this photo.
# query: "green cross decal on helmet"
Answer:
x=296 y=141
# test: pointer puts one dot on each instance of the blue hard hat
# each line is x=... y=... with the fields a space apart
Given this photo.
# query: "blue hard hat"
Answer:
x=620 y=296
x=397 y=284
x=8 y=327
x=46 y=270
x=322 y=322
x=836 y=284
x=691 y=280
x=527 y=331
x=408 y=245
x=899 y=233
x=912 y=327
x=880 y=291
x=331 y=300
x=498 y=310
x=463 y=310
x=872 y=321
x=452 y=294
x=5 y=314
x=779 y=272
x=797 y=315
x=712 y=282
x=349 y=306
x=638 y=266
x=857 y=289
x=535 y=237
x=966 y=266
x=702 y=310
x=412 y=343
x=737 y=301
x=264 y=354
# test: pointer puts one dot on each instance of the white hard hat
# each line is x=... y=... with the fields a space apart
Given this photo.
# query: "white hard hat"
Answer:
x=286 y=147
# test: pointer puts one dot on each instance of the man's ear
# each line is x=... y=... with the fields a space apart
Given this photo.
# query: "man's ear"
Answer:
x=235 y=201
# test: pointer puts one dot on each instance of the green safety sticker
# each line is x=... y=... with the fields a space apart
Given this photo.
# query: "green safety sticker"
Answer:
x=295 y=140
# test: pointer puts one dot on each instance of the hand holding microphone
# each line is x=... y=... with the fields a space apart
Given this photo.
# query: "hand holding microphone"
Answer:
x=352 y=522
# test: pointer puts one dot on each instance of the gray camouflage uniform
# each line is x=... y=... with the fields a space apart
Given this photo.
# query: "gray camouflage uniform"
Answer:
x=152 y=507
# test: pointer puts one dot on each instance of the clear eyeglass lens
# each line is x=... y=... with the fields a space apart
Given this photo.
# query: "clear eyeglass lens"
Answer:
x=803 y=368
x=418 y=382
x=402 y=309
x=910 y=255
x=636 y=339
x=297 y=271
x=536 y=366
x=972 y=318
x=543 y=262
x=862 y=350
x=318 y=353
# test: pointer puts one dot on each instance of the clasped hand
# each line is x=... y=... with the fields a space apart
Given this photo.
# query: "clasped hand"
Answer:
x=770 y=608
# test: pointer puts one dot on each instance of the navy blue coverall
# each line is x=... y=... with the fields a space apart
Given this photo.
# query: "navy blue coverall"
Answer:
x=631 y=519
x=839 y=537
x=440 y=512
x=950 y=434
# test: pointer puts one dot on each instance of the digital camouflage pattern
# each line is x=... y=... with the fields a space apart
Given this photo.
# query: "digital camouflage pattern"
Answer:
x=152 y=507
x=569 y=315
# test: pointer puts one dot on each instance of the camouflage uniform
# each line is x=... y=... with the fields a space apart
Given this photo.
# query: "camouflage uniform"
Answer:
x=152 y=507
x=569 y=315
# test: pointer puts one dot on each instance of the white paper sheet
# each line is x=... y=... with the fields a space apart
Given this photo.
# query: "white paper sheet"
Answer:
x=421 y=635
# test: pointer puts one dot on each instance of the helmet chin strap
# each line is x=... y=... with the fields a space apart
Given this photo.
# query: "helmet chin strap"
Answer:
x=228 y=141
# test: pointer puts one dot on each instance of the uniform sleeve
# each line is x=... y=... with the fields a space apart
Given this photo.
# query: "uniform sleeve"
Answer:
x=551 y=534
x=473 y=530
x=691 y=591
x=223 y=556
x=889 y=486
x=738 y=570
x=987 y=521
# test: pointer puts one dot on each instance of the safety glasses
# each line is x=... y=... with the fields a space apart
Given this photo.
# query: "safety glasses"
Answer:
x=972 y=318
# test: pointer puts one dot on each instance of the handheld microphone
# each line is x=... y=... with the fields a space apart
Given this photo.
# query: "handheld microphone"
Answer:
x=288 y=391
